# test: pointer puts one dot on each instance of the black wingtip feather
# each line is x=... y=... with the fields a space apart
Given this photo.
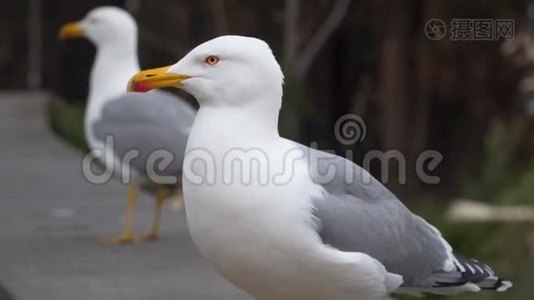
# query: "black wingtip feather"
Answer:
x=473 y=271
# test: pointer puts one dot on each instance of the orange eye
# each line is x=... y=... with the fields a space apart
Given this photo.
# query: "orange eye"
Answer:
x=212 y=60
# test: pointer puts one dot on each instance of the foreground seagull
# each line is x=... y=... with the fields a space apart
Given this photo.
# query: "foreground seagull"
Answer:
x=284 y=221
x=139 y=125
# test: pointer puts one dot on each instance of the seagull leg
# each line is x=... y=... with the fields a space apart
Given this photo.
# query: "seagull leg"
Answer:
x=127 y=236
x=161 y=196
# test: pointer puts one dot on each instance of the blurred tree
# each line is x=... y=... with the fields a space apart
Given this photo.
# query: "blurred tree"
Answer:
x=339 y=56
x=298 y=56
x=396 y=92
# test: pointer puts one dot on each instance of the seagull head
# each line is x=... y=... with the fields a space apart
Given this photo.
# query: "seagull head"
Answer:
x=228 y=70
x=103 y=26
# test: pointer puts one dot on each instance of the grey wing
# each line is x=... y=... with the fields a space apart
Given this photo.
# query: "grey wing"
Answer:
x=147 y=123
x=359 y=214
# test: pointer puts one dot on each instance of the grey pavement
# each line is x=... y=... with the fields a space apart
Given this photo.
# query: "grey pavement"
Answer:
x=51 y=219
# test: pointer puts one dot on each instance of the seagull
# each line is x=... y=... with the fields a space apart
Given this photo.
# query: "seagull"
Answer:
x=284 y=221
x=137 y=123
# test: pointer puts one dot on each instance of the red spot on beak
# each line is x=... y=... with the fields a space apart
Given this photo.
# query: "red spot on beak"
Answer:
x=141 y=87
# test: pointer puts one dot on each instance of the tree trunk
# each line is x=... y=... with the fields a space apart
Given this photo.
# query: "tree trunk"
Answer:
x=395 y=81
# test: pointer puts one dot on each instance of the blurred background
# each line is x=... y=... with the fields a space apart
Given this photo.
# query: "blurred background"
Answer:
x=422 y=75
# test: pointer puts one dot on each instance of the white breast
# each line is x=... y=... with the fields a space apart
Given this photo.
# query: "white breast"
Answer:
x=261 y=237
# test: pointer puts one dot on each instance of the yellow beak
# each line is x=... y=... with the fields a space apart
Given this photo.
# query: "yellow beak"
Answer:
x=70 y=31
x=150 y=79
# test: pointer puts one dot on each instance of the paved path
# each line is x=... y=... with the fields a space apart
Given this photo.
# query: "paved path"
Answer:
x=51 y=219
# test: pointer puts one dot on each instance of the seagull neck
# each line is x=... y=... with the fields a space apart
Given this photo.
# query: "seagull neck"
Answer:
x=245 y=121
x=112 y=68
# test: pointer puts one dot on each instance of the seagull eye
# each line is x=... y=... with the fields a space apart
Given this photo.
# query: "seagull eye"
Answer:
x=212 y=60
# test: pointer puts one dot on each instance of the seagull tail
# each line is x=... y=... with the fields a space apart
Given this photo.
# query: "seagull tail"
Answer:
x=469 y=275
x=473 y=277
x=496 y=284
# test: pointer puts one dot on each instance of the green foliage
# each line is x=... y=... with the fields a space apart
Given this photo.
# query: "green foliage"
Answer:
x=507 y=247
x=499 y=169
x=505 y=178
x=522 y=192
x=66 y=121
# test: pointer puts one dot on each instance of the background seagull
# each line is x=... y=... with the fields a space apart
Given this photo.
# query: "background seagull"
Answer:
x=288 y=221
x=142 y=123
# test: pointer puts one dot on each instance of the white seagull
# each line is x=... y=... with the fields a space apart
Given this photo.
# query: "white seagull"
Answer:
x=284 y=221
x=139 y=124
